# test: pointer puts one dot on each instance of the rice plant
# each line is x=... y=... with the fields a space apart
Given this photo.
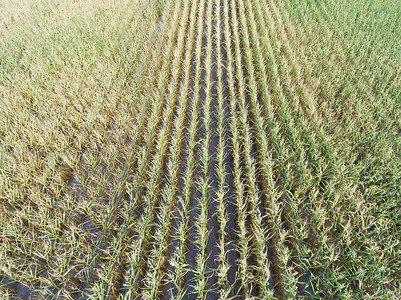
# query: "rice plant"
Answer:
x=226 y=149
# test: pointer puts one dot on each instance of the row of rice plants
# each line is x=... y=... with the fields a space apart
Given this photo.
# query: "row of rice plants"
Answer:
x=202 y=184
x=243 y=245
x=291 y=133
x=226 y=284
x=124 y=198
x=49 y=265
x=156 y=259
x=373 y=109
x=177 y=268
x=147 y=189
x=111 y=219
x=340 y=182
x=262 y=239
x=240 y=99
x=286 y=109
x=375 y=77
x=299 y=184
x=371 y=164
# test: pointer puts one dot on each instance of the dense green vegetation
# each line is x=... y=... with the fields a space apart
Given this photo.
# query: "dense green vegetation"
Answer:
x=233 y=149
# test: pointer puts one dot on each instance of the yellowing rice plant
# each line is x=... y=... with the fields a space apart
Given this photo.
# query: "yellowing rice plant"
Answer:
x=226 y=149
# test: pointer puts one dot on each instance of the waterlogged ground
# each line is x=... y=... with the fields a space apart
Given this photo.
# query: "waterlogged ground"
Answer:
x=226 y=166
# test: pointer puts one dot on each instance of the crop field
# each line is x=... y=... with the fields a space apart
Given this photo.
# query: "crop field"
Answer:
x=221 y=149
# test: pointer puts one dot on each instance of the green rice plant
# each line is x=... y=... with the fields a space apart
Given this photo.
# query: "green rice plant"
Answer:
x=298 y=180
x=116 y=248
x=203 y=182
x=261 y=237
x=274 y=206
x=121 y=183
x=48 y=174
x=370 y=117
x=243 y=246
x=364 y=90
x=284 y=119
x=156 y=257
x=178 y=259
x=126 y=126
x=340 y=179
x=144 y=224
x=251 y=23
x=221 y=193
x=118 y=192
x=290 y=214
